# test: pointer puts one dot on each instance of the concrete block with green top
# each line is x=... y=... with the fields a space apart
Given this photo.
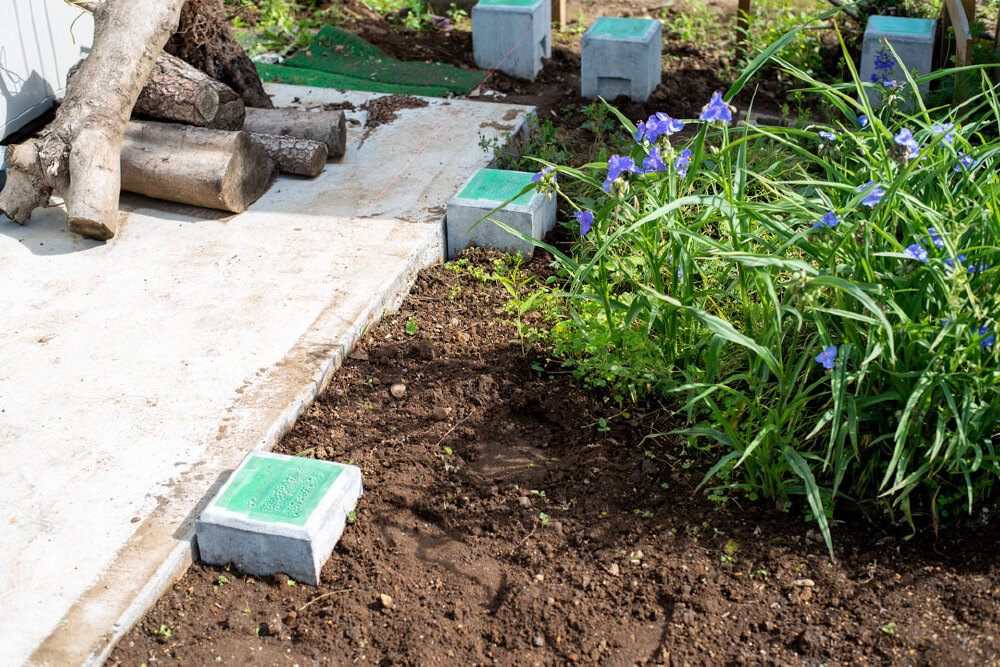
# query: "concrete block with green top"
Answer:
x=621 y=57
x=533 y=214
x=512 y=36
x=279 y=513
x=913 y=41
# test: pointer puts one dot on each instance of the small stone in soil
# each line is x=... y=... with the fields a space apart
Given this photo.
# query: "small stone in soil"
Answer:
x=398 y=390
x=386 y=601
x=538 y=641
x=525 y=501
x=440 y=413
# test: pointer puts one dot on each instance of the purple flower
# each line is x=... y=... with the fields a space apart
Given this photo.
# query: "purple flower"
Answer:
x=863 y=120
x=828 y=219
x=890 y=84
x=977 y=268
x=950 y=263
x=670 y=125
x=827 y=356
x=681 y=163
x=616 y=166
x=884 y=60
x=640 y=130
x=586 y=219
x=947 y=130
x=906 y=140
x=917 y=252
x=656 y=126
x=935 y=238
x=875 y=194
x=829 y=136
x=653 y=161
x=964 y=162
x=716 y=109
x=984 y=340
x=538 y=176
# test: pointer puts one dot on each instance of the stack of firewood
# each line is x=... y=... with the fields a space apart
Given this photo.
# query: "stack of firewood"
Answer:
x=192 y=140
x=202 y=146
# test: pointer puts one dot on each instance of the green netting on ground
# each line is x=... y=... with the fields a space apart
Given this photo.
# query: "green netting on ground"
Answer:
x=338 y=59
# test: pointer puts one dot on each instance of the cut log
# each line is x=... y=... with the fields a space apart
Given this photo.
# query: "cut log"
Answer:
x=177 y=91
x=180 y=93
x=301 y=157
x=204 y=40
x=195 y=165
x=328 y=127
x=77 y=155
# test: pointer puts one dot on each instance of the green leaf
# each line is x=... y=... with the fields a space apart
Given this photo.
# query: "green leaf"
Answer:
x=801 y=468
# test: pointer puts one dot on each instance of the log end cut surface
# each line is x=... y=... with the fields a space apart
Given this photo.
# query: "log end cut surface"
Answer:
x=251 y=172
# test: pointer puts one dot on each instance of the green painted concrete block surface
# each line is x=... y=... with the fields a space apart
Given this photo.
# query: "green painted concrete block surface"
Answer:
x=620 y=28
x=279 y=490
x=498 y=186
x=471 y=218
x=510 y=3
x=279 y=513
x=899 y=25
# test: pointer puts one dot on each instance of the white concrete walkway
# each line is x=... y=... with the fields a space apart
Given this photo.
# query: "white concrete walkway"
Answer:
x=135 y=374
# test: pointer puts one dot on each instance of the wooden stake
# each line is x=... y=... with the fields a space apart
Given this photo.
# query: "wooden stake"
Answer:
x=559 y=13
x=742 y=28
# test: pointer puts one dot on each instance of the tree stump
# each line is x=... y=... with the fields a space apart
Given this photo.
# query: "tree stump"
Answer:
x=203 y=39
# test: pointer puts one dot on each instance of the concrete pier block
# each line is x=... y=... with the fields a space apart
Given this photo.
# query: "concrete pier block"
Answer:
x=512 y=36
x=532 y=214
x=621 y=57
x=913 y=40
x=279 y=513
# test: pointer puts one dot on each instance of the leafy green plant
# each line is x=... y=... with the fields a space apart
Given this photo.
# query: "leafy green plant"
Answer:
x=278 y=26
x=697 y=23
x=543 y=141
x=820 y=303
x=769 y=20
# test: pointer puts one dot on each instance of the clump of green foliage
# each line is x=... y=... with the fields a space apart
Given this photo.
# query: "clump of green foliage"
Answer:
x=278 y=26
x=819 y=303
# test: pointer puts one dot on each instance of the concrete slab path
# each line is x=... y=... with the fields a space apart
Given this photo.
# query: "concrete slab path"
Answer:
x=134 y=375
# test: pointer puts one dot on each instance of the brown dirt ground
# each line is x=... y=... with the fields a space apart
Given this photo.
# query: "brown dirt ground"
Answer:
x=691 y=75
x=630 y=565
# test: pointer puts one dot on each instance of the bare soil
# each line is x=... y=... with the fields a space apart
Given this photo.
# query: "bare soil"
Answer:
x=504 y=523
x=508 y=527
x=691 y=74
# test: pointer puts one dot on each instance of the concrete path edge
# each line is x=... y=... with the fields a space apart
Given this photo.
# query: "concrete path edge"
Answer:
x=61 y=643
